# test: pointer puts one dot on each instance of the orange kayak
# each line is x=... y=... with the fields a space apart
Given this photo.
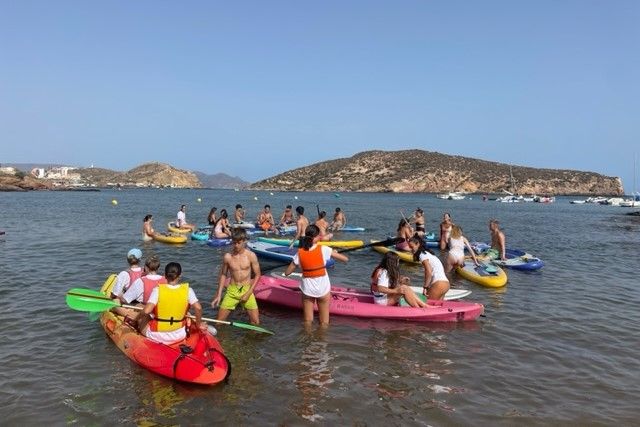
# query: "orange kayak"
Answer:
x=198 y=359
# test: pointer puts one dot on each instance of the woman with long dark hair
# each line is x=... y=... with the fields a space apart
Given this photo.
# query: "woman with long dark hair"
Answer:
x=221 y=229
x=435 y=283
x=316 y=287
x=388 y=287
x=211 y=218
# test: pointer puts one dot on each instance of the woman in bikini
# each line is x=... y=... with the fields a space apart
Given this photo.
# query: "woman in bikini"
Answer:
x=457 y=243
x=221 y=229
x=404 y=232
x=445 y=230
x=420 y=221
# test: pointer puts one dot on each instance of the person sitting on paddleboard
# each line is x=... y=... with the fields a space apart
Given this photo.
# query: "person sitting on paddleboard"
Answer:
x=238 y=216
x=457 y=243
x=169 y=305
x=435 y=283
x=339 y=220
x=221 y=230
x=388 y=287
x=237 y=267
x=316 y=287
x=404 y=232
x=287 y=216
x=265 y=219
x=181 y=219
x=322 y=224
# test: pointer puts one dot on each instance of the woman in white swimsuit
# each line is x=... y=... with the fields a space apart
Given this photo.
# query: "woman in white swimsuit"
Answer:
x=445 y=230
x=436 y=283
x=221 y=229
x=457 y=243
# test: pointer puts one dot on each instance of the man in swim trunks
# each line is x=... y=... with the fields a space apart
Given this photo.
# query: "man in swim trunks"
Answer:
x=237 y=267
x=498 y=241
x=339 y=220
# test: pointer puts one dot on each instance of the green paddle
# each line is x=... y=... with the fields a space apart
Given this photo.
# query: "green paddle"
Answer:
x=92 y=301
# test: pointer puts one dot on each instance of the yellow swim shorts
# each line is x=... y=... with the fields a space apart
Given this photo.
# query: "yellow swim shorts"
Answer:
x=232 y=298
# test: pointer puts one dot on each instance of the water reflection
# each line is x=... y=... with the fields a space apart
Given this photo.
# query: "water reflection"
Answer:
x=313 y=372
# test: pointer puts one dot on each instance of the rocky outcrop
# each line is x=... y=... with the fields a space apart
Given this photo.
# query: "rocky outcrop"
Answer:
x=146 y=175
x=425 y=171
x=21 y=182
x=221 y=180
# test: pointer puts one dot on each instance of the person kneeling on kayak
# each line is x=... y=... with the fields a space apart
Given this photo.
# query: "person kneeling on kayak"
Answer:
x=169 y=305
x=388 y=287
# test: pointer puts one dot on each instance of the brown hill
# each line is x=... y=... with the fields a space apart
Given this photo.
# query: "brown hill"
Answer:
x=146 y=175
x=425 y=171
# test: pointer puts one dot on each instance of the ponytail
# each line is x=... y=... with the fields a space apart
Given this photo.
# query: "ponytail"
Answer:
x=310 y=234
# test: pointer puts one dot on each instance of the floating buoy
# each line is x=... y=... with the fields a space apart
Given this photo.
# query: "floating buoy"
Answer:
x=336 y=195
x=255 y=197
x=295 y=197
x=114 y=202
x=198 y=200
x=271 y=194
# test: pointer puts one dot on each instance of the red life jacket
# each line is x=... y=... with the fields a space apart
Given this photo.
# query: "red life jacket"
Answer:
x=312 y=262
x=149 y=284
x=133 y=276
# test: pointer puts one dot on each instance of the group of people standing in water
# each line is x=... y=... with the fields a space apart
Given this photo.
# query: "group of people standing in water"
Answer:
x=240 y=270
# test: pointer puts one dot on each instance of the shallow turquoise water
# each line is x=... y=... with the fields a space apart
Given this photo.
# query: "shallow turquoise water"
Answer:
x=557 y=346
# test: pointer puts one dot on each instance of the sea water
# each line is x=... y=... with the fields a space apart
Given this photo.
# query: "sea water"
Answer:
x=557 y=346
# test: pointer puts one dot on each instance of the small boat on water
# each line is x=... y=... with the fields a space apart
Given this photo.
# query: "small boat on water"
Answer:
x=454 y=195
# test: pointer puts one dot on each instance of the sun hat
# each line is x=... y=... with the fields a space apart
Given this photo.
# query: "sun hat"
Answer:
x=135 y=252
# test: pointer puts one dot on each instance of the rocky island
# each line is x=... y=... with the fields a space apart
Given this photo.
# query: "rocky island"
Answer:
x=432 y=172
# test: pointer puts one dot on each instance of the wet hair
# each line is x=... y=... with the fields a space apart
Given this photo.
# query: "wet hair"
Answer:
x=322 y=214
x=172 y=271
x=419 y=210
x=238 y=234
x=213 y=210
x=421 y=249
x=300 y=210
x=223 y=214
x=494 y=221
x=152 y=263
x=267 y=206
x=288 y=207
x=147 y=217
x=309 y=234
x=402 y=223
x=238 y=206
x=390 y=262
x=447 y=214
x=338 y=209
x=456 y=231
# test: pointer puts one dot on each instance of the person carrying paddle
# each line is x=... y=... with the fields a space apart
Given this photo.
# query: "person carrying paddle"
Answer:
x=169 y=304
x=339 y=220
x=128 y=276
x=388 y=287
x=301 y=225
x=237 y=267
x=181 y=219
x=316 y=287
x=436 y=283
x=498 y=241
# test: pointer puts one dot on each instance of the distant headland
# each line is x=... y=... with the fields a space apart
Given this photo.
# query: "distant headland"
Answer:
x=370 y=171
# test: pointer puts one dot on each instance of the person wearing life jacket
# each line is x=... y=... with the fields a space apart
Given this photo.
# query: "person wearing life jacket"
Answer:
x=265 y=219
x=140 y=290
x=169 y=305
x=127 y=277
x=316 y=287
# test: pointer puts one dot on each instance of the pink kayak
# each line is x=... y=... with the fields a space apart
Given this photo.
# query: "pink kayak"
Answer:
x=359 y=303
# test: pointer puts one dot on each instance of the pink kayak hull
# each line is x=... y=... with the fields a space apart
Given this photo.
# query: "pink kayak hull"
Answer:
x=358 y=303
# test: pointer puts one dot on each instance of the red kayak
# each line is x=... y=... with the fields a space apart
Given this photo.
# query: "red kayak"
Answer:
x=198 y=359
x=359 y=303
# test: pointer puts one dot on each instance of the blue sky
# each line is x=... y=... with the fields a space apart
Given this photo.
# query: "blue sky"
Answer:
x=256 y=88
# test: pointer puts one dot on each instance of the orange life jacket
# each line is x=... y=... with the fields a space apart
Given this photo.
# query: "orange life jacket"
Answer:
x=312 y=262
